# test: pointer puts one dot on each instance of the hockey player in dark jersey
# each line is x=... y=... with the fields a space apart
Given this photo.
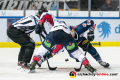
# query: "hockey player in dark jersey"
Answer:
x=78 y=32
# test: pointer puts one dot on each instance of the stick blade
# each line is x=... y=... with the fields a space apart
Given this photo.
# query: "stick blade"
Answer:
x=54 y=68
x=77 y=70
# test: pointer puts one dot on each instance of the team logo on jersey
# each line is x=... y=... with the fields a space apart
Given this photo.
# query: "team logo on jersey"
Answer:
x=47 y=44
x=72 y=29
x=84 y=42
x=84 y=24
x=71 y=46
x=47 y=41
x=72 y=74
x=105 y=29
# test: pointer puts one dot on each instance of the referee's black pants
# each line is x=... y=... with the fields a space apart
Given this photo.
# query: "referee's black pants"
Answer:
x=26 y=43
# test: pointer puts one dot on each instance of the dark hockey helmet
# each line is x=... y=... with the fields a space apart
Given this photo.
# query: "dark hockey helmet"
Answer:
x=41 y=10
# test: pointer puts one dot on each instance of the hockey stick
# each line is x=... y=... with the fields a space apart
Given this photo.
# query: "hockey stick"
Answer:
x=50 y=68
x=77 y=70
x=41 y=42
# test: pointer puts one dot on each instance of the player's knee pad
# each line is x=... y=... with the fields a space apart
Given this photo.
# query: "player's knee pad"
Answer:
x=78 y=55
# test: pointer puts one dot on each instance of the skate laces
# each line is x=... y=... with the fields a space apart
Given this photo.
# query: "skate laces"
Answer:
x=90 y=68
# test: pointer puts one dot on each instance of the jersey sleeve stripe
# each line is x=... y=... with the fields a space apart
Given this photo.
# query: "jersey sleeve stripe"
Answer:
x=26 y=22
x=40 y=21
x=47 y=17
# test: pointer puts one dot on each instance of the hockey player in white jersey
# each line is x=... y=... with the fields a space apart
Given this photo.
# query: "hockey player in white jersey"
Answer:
x=45 y=17
x=60 y=34
x=48 y=18
x=19 y=32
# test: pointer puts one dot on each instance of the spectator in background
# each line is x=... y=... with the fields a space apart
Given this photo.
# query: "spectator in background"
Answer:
x=108 y=6
x=33 y=5
x=53 y=7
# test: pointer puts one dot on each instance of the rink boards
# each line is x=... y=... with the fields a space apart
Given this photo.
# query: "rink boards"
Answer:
x=107 y=31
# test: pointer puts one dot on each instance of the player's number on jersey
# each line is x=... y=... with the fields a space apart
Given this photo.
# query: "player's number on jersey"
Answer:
x=62 y=25
x=61 y=22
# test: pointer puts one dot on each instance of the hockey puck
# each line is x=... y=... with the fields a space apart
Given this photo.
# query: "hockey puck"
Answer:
x=66 y=60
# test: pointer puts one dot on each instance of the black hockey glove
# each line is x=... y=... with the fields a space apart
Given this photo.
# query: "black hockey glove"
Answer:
x=39 y=28
x=48 y=54
x=90 y=36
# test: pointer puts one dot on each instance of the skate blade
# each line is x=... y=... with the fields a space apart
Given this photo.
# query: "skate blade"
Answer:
x=19 y=68
x=38 y=68
x=24 y=70
x=105 y=67
x=95 y=72
x=108 y=68
x=31 y=71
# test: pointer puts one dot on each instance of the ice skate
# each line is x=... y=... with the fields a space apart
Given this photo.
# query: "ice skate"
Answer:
x=19 y=65
x=104 y=64
x=90 y=68
x=23 y=66
x=32 y=67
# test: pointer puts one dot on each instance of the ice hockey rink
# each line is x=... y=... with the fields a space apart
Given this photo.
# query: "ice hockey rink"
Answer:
x=8 y=66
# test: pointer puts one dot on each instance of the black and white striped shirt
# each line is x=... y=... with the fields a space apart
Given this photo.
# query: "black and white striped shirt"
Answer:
x=26 y=24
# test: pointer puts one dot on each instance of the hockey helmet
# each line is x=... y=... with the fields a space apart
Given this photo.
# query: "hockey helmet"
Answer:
x=41 y=10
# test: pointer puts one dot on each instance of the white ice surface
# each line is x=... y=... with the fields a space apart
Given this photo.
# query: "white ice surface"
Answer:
x=8 y=66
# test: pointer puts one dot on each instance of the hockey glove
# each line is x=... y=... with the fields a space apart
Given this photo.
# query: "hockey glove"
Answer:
x=39 y=28
x=90 y=36
x=49 y=54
